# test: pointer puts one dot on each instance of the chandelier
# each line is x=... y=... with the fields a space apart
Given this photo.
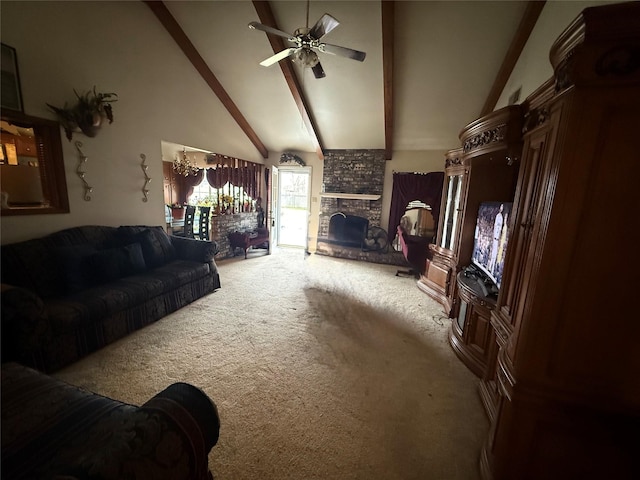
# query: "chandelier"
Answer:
x=183 y=166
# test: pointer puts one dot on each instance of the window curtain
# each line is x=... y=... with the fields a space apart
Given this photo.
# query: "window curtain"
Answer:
x=190 y=182
x=247 y=177
x=217 y=177
x=408 y=186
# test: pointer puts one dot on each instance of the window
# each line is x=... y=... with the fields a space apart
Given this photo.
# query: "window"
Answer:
x=228 y=199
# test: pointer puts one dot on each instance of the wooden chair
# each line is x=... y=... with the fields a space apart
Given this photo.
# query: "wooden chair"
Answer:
x=189 y=214
x=203 y=223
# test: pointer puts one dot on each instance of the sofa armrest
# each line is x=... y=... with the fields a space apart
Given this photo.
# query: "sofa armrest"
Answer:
x=25 y=324
x=195 y=250
x=192 y=410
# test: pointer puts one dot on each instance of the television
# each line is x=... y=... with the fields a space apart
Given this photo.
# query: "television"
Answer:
x=491 y=238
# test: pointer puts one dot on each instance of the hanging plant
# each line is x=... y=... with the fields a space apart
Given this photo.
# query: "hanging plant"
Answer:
x=88 y=114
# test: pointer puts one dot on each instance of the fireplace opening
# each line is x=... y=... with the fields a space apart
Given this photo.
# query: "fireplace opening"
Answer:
x=347 y=230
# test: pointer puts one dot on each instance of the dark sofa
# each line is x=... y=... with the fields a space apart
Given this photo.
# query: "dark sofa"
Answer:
x=70 y=293
x=53 y=430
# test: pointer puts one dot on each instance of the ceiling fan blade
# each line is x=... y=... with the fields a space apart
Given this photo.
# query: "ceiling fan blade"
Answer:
x=274 y=31
x=278 y=56
x=342 y=51
x=318 y=71
x=323 y=26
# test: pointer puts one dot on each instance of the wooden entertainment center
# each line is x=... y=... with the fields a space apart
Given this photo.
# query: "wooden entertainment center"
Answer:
x=568 y=395
x=557 y=356
x=484 y=168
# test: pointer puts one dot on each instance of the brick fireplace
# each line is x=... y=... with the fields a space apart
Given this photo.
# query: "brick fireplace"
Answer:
x=352 y=194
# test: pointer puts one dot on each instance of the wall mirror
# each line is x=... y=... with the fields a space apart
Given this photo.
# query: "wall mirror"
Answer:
x=418 y=220
x=32 y=177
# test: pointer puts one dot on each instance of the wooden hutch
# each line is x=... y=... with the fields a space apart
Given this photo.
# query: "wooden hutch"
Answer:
x=436 y=280
x=563 y=395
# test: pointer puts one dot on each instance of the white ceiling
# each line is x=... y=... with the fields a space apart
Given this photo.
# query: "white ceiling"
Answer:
x=446 y=57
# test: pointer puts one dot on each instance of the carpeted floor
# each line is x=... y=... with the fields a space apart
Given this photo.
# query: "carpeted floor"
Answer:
x=321 y=369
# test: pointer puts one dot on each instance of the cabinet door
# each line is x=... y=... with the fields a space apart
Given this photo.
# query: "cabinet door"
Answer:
x=478 y=334
x=450 y=224
x=168 y=200
x=529 y=206
x=167 y=170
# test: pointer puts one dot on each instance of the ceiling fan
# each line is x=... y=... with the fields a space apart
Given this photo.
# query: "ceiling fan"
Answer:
x=307 y=43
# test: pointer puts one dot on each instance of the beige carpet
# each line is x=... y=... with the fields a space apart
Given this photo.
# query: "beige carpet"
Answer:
x=321 y=369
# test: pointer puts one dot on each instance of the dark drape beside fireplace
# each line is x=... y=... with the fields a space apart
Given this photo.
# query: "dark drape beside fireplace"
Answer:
x=409 y=186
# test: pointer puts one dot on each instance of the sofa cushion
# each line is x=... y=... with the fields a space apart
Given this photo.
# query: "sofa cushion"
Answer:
x=156 y=244
x=101 y=301
x=111 y=264
x=83 y=266
x=71 y=261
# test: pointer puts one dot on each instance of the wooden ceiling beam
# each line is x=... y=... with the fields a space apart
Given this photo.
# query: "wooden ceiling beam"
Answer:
x=388 y=20
x=265 y=14
x=171 y=25
x=528 y=21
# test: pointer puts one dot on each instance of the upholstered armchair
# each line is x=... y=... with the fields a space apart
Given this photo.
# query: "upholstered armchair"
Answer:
x=415 y=250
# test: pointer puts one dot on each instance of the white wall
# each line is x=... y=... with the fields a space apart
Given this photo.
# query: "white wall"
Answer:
x=533 y=67
x=119 y=47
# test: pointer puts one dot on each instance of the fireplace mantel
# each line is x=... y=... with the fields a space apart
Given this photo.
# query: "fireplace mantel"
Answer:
x=350 y=196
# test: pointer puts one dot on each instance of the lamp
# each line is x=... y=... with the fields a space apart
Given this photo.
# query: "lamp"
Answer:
x=183 y=166
x=306 y=57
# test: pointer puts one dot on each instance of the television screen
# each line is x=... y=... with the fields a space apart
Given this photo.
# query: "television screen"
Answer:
x=491 y=238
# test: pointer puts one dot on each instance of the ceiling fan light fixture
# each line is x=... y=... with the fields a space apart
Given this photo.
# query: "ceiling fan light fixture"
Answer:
x=306 y=57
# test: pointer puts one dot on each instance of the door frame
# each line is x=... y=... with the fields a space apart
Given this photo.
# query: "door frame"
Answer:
x=276 y=195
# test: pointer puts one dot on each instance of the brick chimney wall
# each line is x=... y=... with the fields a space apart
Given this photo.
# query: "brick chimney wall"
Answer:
x=352 y=171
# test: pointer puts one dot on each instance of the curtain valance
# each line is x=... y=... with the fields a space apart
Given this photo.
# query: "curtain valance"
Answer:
x=247 y=176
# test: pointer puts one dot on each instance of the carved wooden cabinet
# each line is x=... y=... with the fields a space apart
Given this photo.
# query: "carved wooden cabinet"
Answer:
x=564 y=393
x=484 y=169
x=471 y=335
x=172 y=184
x=438 y=280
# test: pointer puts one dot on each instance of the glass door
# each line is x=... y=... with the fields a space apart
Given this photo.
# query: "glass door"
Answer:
x=293 y=205
x=452 y=212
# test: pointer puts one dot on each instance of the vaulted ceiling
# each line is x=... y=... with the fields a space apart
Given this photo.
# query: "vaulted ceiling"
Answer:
x=430 y=69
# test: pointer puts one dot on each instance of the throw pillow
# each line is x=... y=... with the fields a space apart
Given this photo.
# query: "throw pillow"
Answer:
x=164 y=240
x=151 y=248
x=135 y=259
x=156 y=244
x=104 y=266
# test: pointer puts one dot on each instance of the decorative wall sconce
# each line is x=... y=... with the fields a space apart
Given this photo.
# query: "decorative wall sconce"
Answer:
x=147 y=179
x=82 y=159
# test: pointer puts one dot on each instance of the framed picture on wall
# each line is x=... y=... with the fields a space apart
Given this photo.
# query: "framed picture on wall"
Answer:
x=10 y=94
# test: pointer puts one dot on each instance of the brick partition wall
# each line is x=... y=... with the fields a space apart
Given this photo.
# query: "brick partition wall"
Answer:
x=223 y=225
